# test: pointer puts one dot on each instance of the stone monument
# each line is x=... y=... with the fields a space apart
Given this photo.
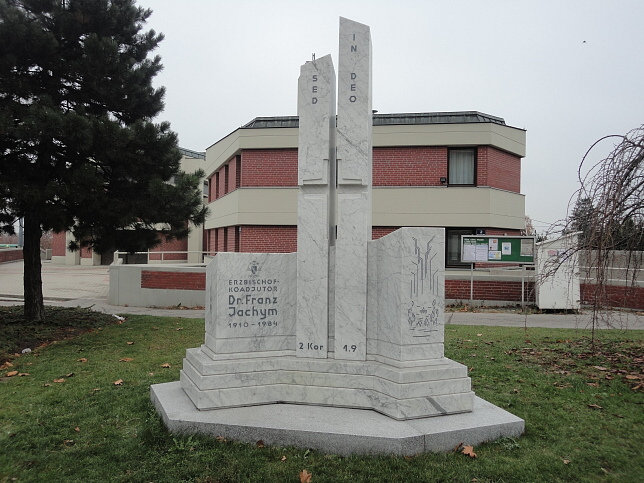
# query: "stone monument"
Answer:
x=298 y=345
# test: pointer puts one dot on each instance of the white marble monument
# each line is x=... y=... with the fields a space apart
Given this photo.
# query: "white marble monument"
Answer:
x=346 y=322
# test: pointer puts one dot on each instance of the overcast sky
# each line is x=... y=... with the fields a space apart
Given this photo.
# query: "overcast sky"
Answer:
x=569 y=72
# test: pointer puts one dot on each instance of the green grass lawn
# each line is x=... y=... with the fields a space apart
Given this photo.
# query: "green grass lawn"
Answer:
x=583 y=412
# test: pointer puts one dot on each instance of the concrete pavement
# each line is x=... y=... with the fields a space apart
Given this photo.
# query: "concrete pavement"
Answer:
x=88 y=286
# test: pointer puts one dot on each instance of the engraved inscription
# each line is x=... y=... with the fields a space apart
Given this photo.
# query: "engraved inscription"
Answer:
x=314 y=99
x=253 y=302
x=423 y=317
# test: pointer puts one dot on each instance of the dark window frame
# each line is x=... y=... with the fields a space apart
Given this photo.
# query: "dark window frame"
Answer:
x=472 y=231
x=475 y=151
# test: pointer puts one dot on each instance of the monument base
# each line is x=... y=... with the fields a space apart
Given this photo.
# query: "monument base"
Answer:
x=335 y=430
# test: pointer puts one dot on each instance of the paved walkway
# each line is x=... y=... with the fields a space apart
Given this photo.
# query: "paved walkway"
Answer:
x=81 y=286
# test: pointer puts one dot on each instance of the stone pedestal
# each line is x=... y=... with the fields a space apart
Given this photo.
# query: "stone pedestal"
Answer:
x=346 y=323
x=253 y=352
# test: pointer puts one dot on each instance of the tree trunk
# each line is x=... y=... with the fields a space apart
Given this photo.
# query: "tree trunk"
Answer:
x=34 y=307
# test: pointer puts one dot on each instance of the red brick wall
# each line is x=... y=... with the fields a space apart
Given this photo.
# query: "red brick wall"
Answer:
x=10 y=254
x=489 y=290
x=614 y=296
x=85 y=252
x=380 y=231
x=269 y=167
x=231 y=239
x=409 y=166
x=268 y=239
x=221 y=185
x=170 y=246
x=58 y=244
x=173 y=280
x=209 y=241
x=498 y=169
x=392 y=166
x=220 y=239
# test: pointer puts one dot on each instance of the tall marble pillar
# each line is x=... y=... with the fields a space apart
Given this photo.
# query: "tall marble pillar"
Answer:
x=354 y=140
x=316 y=178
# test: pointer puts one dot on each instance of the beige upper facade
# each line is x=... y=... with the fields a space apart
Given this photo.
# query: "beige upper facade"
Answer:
x=451 y=206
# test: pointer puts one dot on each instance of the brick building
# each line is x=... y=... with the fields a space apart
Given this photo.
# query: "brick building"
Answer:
x=458 y=170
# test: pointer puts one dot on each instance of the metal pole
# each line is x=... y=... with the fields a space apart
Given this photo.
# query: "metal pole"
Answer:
x=522 y=290
x=471 y=284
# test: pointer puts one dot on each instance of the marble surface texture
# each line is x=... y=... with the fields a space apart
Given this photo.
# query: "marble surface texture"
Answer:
x=407 y=303
x=335 y=430
x=444 y=388
x=345 y=321
x=250 y=301
x=354 y=160
x=316 y=167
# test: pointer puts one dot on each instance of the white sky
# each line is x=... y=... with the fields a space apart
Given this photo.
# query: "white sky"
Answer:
x=567 y=71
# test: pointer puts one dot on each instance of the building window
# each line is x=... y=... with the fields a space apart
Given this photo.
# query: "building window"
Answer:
x=453 y=246
x=462 y=166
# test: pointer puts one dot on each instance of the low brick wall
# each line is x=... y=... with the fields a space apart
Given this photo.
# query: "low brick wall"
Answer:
x=147 y=286
x=10 y=254
x=500 y=290
x=157 y=286
x=614 y=296
x=173 y=280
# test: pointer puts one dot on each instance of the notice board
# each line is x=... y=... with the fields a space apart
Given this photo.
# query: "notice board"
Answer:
x=497 y=249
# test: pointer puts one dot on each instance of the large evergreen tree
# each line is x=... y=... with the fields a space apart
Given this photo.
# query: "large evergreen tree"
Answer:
x=79 y=149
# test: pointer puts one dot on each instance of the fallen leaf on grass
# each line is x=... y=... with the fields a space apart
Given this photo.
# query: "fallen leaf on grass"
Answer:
x=46 y=384
x=260 y=443
x=600 y=368
x=595 y=406
x=221 y=439
x=469 y=451
x=565 y=462
x=82 y=359
x=458 y=447
x=71 y=374
x=69 y=442
x=179 y=328
x=632 y=377
x=20 y=374
x=118 y=382
x=166 y=365
x=283 y=458
x=62 y=379
x=126 y=359
x=305 y=476
x=11 y=373
x=77 y=429
x=593 y=384
x=5 y=365
x=130 y=343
